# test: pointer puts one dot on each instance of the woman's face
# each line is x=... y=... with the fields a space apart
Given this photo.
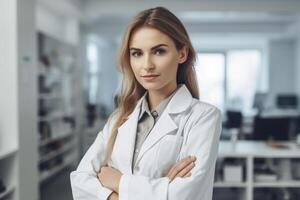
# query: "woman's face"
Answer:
x=154 y=59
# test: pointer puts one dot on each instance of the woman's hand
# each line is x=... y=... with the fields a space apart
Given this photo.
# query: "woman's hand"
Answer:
x=182 y=168
x=110 y=178
x=113 y=196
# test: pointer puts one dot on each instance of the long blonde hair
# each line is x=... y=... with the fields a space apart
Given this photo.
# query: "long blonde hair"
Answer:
x=163 y=20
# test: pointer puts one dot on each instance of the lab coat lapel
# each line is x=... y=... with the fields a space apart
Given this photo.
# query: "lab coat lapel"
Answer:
x=127 y=134
x=163 y=126
x=181 y=100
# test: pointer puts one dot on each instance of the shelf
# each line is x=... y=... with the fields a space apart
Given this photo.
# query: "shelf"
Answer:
x=230 y=185
x=52 y=116
x=58 y=127
x=278 y=184
x=56 y=152
x=6 y=153
x=9 y=190
x=55 y=115
x=45 y=175
x=49 y=140
x=46 y=73
x=50 y=96
x=42 y=73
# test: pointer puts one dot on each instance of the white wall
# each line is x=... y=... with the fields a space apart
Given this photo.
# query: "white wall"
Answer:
x=281 y=68
x=295 y=31
x=8 y=76
x=50 y=21
x=297 y=65
x=96 y=8
x=18 y=88
x=27 y=90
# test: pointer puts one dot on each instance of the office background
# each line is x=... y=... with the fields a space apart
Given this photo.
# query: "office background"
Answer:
x=58 y=79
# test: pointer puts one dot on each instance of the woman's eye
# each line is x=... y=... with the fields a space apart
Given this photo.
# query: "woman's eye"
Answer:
x=136 y=53
x=159 y=51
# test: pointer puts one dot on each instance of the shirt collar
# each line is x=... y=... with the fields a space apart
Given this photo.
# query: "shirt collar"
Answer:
x=159 y=109
x=144 y=107
x=181 y=100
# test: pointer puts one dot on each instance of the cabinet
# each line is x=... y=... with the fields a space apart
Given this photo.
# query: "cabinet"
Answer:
x=249 y=155
x=8 y=172
x=57 y=108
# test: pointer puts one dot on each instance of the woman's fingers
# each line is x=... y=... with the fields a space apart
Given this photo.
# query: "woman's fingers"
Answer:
x=186 y=170
x=181 y=167
x=188 y=175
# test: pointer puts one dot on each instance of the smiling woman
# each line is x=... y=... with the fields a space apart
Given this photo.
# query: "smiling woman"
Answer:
x=154 y=60
x=161 y=142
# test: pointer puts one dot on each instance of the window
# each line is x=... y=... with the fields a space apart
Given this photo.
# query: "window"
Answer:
x=93 y=71
x=210 y=75
x=242 y=68
x=228 y=79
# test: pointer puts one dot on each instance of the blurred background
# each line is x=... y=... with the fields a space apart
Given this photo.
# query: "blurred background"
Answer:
x=58 y=79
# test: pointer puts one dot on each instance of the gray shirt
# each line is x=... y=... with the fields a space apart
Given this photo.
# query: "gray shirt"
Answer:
x=146 y=122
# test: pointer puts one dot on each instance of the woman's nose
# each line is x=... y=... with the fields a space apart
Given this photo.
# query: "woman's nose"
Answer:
x=148 y=64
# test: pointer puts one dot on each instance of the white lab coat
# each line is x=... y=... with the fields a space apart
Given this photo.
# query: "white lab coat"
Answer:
x=186 y=127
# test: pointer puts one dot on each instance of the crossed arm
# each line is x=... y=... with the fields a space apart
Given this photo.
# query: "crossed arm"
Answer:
x=93 y=182
x=110 y=177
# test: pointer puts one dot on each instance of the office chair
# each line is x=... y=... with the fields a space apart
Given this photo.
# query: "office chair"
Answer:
x=234 y=119
x=233 y=124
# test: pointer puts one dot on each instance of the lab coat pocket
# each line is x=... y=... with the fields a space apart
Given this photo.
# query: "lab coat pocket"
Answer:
x=168 y=152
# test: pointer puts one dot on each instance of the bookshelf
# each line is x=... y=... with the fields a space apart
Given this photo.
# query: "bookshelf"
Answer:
x=57 y=115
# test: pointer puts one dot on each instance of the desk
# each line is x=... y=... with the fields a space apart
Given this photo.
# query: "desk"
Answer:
x=249 y=151
x=273 y=113
x=257 y=149
x=292 y=114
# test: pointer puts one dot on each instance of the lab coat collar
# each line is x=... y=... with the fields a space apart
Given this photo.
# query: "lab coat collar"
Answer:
x=181 y=101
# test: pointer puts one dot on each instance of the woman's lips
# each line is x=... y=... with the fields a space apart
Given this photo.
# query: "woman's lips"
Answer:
x=150 y=77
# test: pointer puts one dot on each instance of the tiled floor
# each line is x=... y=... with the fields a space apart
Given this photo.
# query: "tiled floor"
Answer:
x=58 y=187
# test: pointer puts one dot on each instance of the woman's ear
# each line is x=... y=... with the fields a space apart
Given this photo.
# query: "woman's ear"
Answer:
x=183 y=53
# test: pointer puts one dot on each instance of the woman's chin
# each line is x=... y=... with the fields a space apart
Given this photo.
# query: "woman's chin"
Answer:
x=151 y=86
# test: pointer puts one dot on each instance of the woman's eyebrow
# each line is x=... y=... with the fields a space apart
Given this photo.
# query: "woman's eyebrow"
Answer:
x=159 y=45
x=156 y=46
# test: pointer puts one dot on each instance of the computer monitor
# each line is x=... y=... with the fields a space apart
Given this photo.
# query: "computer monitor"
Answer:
x=287 y=101
x=275 y=128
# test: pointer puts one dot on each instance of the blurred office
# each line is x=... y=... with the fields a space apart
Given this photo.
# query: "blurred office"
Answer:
x=58 y=79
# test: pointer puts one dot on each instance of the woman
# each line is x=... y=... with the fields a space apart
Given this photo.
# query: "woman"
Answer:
x=161 y=142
